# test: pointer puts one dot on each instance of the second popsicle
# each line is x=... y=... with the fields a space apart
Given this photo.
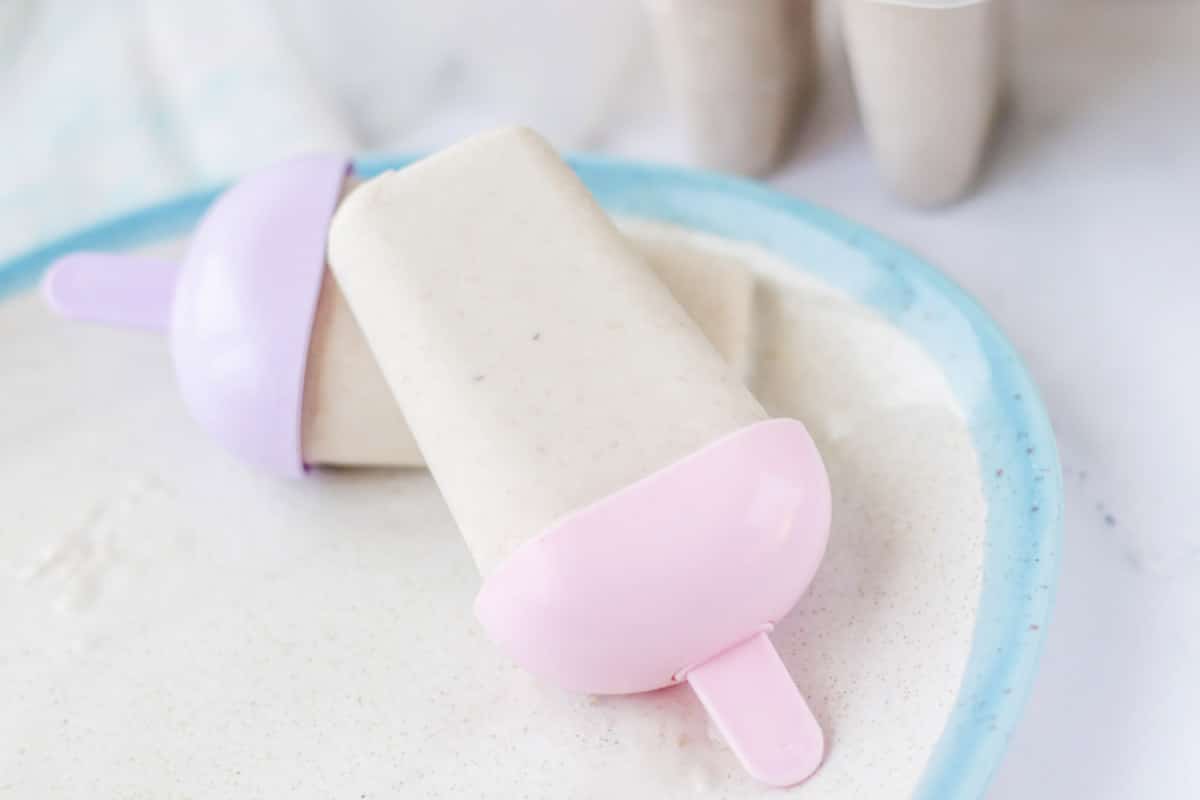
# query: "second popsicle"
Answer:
x=267 y=355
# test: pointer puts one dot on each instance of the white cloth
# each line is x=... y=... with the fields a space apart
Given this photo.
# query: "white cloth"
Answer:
x=112 y=104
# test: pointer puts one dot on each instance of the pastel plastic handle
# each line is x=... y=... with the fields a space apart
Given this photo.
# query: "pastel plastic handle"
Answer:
x=112 y=289
x=751 y=698
x=678 y=577
x=238 y=307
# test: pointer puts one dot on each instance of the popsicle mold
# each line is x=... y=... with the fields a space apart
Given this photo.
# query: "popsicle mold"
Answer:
x=604 y=603
x=928 y=80
x=239 y=307
x=739 y=74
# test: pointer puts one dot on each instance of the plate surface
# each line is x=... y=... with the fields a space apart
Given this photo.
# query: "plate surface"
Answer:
x=1013 y=442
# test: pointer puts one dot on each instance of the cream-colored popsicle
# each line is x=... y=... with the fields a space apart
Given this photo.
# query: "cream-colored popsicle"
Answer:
x=739 y=73
x=717 y=293
x=928 y=82
x=350 y=418
x=539 y=363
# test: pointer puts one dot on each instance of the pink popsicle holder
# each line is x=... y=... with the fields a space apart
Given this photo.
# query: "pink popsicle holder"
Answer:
x=679 y=577
x=676 y=578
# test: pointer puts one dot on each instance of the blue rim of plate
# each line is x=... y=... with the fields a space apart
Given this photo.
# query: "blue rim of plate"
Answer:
x=1018 y=458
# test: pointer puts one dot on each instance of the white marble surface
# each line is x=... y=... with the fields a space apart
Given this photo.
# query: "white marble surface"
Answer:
x=1082 y=242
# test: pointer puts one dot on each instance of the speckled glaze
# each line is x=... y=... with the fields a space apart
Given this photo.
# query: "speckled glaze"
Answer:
x=1015 y=448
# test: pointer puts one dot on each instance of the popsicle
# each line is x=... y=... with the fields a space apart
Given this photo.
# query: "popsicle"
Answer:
x=927 y=76
x=268 y=357
x=738 y=73
x=636 y=517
